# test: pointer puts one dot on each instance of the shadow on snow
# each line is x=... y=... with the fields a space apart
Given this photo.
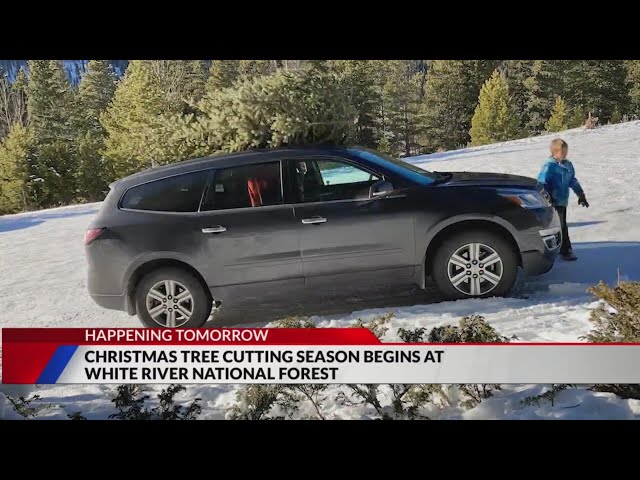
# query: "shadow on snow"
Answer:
x=567 y=282
x=585 y=224
x=18 y=222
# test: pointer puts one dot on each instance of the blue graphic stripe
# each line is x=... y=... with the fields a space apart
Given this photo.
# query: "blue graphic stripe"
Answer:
x=57 y=364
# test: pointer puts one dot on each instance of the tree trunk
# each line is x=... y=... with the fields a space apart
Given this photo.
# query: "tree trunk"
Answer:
x=424 y=68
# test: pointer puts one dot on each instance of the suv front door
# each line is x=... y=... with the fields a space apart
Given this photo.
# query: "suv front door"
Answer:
x=346 y=237
x=252 y=240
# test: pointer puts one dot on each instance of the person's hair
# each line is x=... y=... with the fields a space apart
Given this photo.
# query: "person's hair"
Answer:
x=558 y=142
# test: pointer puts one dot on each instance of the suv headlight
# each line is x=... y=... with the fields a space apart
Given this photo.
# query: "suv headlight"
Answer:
x=525 y=198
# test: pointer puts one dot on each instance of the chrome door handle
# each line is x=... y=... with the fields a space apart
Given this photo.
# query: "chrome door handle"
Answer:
x=216 y=229
x=313 y=220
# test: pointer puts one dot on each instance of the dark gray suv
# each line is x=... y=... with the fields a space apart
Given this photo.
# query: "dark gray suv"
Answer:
x=171 y=242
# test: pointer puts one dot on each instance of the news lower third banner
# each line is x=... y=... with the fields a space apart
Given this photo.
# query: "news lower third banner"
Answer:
x=321 y=355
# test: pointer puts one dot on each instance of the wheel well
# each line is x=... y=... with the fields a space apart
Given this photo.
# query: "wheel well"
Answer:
x=465 y=226
x=145 y=268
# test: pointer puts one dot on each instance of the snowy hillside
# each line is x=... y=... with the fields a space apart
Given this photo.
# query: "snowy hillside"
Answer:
x=42 y=277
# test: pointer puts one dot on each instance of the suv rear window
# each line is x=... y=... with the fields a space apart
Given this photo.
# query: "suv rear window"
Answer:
x=180 y=193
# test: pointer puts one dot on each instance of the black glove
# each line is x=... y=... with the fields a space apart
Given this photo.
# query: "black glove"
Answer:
x=582 y=201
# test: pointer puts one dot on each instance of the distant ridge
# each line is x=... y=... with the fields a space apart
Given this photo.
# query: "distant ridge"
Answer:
x=74 y=68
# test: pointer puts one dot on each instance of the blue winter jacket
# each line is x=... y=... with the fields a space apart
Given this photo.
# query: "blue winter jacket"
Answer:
x=557 y=178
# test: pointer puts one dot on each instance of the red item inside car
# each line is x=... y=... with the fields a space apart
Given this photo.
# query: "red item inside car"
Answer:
x=255 y=187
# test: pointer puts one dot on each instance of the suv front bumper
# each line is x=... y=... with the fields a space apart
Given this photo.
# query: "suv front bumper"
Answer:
x=540 y=260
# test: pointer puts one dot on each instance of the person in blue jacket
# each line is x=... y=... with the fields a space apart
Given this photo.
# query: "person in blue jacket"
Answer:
x=557 y=177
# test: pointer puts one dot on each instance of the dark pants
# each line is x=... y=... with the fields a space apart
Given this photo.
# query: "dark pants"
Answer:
x=566 y=242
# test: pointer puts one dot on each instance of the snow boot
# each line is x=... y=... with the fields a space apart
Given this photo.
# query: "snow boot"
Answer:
x=568 y=256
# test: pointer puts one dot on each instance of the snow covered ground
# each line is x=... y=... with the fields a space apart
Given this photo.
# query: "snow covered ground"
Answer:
x=42 y=280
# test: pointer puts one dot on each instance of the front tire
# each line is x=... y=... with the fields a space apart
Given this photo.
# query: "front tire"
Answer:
x=172 y=298
x=475 y=264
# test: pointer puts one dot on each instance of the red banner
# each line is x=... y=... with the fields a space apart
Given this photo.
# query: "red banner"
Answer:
x=192 y=336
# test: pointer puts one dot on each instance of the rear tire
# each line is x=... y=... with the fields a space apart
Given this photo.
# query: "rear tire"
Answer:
x=172 y=298
x=459 y=268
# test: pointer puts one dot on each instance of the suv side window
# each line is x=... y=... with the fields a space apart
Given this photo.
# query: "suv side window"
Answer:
x=180 y=193
x=320 y=180
x=255 y=185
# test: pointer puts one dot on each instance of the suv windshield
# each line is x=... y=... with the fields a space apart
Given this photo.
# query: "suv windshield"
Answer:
x=406 y=169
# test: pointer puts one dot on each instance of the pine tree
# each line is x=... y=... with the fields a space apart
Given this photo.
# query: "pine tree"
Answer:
x=179 y=80
x=195 y=80
x=450 y=99
x=616 y=116
x=286 y=108
x=53 y=123
x=95 y=91
x=598 y=86
x=541 y=88
x=384 y=146
x=495 y=118
x=357 y=78
x=423 y=67
x=321 y=65
x=577 y=118
x=51 y=113
x=14 y=150
x=558 y=120
x=518 y=73
x=133 y=118
x=254 y=68
x=222 y=74
x=632 y=68
x=400 y=105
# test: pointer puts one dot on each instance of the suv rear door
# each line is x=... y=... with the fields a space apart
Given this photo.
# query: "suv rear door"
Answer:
x=250 y=236
x=346 y=237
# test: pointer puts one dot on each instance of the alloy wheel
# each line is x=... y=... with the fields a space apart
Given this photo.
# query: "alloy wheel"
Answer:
x=169 y=303
x=475 y=269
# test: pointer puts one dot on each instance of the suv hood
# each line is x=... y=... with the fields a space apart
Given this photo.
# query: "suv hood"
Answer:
x=478 y=179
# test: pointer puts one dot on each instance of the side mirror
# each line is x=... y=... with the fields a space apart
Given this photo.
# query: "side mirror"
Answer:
x=381 y=187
